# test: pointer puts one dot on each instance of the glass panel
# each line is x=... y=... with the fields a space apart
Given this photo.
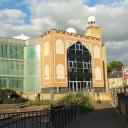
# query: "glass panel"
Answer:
x=0 y=50
x=5 y=50
x=1 y=67
x=5 y=67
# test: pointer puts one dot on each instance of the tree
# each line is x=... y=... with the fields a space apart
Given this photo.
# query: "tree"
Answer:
x=114 y=65
x=109 y=68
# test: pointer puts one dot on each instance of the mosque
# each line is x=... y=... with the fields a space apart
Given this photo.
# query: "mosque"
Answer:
x=58 y=61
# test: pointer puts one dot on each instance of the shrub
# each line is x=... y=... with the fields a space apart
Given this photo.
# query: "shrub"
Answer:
x=80 y=100
x=8 y=96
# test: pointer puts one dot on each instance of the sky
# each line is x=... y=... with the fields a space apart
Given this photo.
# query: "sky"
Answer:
x=34 y=17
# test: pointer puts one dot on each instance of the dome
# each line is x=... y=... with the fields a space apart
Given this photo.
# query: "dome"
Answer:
x=71 y=30
x=22 y=37
x=91 y=18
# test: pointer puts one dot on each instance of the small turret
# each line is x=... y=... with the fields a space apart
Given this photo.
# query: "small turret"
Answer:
x=93 y=30
x=91 y=21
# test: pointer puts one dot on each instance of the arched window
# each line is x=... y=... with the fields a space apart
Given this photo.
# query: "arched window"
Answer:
x=46 y=48
x=96 y=52
x=59 y=46
x=60 y=71
x=46 y=75
x=98 y=73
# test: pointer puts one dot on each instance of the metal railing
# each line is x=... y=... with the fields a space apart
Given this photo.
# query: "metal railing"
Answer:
x=54 y=118
x=120 y=99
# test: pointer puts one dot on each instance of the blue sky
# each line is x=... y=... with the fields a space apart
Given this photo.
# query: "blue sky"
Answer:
x=33 y=17
x=17 y=4
x=105 y=2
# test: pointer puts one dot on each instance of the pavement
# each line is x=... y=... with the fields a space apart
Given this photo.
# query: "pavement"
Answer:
x=104 y=116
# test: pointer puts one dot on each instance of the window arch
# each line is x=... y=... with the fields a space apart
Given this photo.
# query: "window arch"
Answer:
x=98 y=73
x=96 y=52
x=59 y=46
x=46 y=48
x=60 y=71
x=46 y=75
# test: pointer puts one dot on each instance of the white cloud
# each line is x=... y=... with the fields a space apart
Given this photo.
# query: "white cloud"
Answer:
x=61 y=14
x=12 y=13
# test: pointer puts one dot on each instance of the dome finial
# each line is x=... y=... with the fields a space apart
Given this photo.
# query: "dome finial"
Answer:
x=91 y=21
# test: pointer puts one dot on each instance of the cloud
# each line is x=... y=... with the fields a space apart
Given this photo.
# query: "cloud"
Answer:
x=75 y=13
x=61 y=14
x=117 y=51
x=12 y=13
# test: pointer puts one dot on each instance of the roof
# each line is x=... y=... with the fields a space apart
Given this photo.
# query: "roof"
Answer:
x=115 y=74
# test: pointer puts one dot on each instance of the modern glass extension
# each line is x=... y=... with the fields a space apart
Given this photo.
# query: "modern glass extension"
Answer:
x=11 y=63
x=79 y=68
x=17 y=60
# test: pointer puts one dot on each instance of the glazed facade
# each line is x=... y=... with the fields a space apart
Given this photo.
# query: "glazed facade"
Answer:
x=17 y=64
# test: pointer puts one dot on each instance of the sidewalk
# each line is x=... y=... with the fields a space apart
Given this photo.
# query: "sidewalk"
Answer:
x=103 y=116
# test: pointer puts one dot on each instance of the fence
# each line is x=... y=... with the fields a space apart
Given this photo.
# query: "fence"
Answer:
x=120 y=99
x=55 y=118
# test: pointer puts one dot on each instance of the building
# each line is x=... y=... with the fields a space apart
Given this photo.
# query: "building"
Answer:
x=73 y=62
x=57 y=61
x=19 y=64
x=115 y=79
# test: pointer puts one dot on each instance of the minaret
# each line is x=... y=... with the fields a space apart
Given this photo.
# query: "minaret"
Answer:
x=93 y=30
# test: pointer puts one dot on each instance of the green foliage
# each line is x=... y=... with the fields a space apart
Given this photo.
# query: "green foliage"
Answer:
x=80 y=100
x=6 y=99
x=114 y=65
x=109 y=69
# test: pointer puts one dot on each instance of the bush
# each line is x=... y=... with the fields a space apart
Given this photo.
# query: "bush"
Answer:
x=80 y=100
x=8 y=96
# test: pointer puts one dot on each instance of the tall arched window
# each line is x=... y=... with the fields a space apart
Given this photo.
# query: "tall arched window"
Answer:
x=59 y=46
x=46 y=48
x=98 y=73
x=46 y=75
x=60 y=71
x=96 y=52
x=79 y=67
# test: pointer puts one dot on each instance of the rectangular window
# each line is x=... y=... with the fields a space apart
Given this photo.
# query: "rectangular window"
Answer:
x=1 y=67
x=5 y=68
x=5 y=50
x=0 y=50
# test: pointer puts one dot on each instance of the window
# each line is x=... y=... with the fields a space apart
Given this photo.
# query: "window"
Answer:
x=1 y=67
x=46 y=48
x=12 y=65
x=46 y=74
x=4 y=50
x=72 y=64
x=84 y=65
x=0 y=50
x=96 y=52
x=97 y=73
x=59 y=46
x=60 y=71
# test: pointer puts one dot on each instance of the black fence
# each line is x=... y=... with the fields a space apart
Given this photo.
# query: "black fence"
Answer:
x=55 y=118
x=120 y=99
